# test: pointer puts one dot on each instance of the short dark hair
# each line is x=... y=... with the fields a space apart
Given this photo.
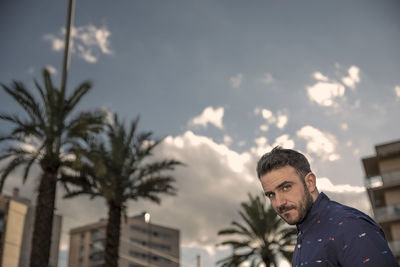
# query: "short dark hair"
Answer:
x=280 y=157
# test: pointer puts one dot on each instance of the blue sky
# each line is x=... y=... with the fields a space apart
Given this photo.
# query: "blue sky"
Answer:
x=224 y=81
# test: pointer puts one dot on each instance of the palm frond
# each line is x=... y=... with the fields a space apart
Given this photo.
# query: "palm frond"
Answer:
x=261 y=234
x=77 y=95
x=156 y=167
x=153 y=187
x=29 y=164
x=236 y=259
x=10 y=167
x=25 y=100
x=85 y=124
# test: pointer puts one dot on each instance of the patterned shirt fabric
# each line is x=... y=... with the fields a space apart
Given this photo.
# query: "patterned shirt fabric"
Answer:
x=332 y=234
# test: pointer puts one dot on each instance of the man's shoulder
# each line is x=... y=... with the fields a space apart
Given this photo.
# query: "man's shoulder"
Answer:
x=345 y=211
x=350 y=217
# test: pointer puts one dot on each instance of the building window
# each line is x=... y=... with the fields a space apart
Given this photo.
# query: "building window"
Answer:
x=97 y=234
x=97 y=246
x=154 y=245
x=144 y=256
x=156 y=234
x=96 y=257
x=81 y=250
x=82 y=237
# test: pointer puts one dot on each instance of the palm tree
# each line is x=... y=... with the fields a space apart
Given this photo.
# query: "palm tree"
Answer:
x=117 y=167
x=50 y=125
x=261 y=238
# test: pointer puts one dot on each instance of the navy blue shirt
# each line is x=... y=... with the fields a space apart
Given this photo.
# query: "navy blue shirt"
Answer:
x=332 y=234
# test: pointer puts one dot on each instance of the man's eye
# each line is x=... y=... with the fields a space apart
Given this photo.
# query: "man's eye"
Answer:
x=286 y=188
x=269 y=195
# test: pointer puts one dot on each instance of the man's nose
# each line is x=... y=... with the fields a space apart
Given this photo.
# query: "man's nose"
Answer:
x=280 y=200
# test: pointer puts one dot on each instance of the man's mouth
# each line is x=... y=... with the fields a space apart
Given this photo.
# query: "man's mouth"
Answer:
x=286 y=210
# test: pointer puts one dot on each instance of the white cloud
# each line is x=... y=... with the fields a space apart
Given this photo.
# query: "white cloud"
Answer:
x=344 y=126
x=397 y=91
x=353 y=77
x=51 y=69
x=227 y=140
x=261 y=141
x=236 y=81
x=354 y=73
x=324 y=93
x=57 y=44
x=209 y=185
x=209 y=115
x=353 y=196
x=320 y=77
x=86 y=54
x=87 y=41
x=261 y=147
x=264 y=127
x=284 y=141
x=268 y=79
x=267 y=114
x=324 y=184
x=333 y=157
x=279 y=120
x=319 y=143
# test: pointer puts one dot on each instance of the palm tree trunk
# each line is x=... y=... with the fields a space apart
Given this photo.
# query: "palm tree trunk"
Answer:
x=112 y=235
x=41 y=241
x=266 y=257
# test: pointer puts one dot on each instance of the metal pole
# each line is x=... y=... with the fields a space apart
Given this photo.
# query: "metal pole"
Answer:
x=147 y=220
x=150 y=254
x=198 y=261
x=148 y=245
x=71 y=5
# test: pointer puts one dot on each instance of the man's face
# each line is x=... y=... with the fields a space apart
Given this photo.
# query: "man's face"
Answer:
x=288 y=194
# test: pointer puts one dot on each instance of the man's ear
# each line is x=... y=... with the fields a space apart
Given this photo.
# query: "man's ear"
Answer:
x=311 y=182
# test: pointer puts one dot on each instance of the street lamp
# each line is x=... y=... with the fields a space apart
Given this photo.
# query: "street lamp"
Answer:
x=147 y=220
x=147 y=217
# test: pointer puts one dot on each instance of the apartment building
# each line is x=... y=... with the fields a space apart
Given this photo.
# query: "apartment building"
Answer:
x=382 y=173
x=142 y=244
x=17 y=216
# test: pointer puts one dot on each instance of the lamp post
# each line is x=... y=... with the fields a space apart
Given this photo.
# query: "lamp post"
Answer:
x=71 y=4
x=147 y=220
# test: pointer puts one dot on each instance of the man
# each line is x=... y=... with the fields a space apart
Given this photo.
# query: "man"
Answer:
x=329 y=234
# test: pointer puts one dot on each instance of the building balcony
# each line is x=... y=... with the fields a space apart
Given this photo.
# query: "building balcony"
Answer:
x=373 y=182
x=97 y=246
x=388 y=213
x=97 y=234
x=395 y=247
x=385 y=180
x=96 y=258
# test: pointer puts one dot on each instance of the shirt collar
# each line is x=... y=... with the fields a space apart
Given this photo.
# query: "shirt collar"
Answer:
x=312 y=215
